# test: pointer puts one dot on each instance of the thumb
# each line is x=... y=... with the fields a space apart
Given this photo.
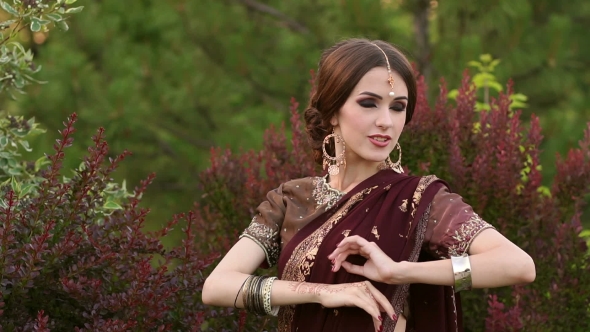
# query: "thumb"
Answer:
x=354 y=269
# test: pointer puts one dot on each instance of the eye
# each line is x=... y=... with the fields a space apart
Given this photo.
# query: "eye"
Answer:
x=367 y=103
x=398 y=107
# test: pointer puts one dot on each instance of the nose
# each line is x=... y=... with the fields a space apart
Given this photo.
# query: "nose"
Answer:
x=384 y=119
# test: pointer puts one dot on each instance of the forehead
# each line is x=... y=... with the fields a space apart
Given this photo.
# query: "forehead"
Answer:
x=375 y=80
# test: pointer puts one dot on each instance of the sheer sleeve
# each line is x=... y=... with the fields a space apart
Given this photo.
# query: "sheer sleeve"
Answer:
x=452 y=225
x=266 y=224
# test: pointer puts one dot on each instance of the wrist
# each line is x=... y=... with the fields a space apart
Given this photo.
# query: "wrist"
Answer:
x=401 y=274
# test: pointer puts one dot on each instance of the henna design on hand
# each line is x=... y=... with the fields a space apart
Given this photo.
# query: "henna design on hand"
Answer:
x=307 y=288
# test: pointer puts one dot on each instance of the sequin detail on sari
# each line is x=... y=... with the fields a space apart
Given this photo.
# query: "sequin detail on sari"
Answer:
x=324 y=194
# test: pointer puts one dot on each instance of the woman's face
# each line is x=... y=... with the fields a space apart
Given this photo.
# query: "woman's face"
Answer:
x=371 y=121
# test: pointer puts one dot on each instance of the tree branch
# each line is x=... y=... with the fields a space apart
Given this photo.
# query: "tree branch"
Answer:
x=290 y=23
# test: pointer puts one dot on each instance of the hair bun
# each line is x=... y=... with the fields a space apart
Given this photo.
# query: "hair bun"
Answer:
x=316 y=130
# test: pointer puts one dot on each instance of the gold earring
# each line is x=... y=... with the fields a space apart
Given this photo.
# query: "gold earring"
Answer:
x=397 y=166
x=334 y=163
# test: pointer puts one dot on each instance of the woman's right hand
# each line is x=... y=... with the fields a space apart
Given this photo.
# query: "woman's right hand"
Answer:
x=359 y=294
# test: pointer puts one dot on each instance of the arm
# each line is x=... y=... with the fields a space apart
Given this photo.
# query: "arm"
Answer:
x=495 y=262
x=223 y=284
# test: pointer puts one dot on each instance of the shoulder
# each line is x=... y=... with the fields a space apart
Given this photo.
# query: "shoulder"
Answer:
x=301 y=183
x=429 y=182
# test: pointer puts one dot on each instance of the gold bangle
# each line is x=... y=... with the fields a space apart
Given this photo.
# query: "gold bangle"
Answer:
x=462 y=272
x=266 y=291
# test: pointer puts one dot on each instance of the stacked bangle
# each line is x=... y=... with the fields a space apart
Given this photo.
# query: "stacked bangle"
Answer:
x=256 y=293
x=462 y=272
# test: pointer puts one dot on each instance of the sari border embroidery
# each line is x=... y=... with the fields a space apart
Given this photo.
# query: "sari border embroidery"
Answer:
x=302 y=259
x=424 y=182
x=401 y=293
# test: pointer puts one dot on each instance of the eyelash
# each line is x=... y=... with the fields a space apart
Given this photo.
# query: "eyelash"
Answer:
x=370 y=104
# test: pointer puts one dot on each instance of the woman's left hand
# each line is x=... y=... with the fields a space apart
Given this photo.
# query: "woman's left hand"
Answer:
x=378 y=267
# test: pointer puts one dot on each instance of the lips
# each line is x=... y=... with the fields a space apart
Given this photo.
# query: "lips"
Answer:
x=380 y=140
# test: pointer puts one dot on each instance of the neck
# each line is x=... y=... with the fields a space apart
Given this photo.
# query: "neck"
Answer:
x=353 y=174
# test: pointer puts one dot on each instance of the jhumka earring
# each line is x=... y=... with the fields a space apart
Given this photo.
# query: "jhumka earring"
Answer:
x=390 y=80
x=334 y=163
x=397 y=166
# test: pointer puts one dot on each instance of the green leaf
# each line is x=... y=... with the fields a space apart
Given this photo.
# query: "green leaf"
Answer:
x=54 y=17
x=483 y=79
x=26 y=189
x=26 y=146
x=544 y=191
x=74 y=10
x=485 y=58
x=69 y=2
x=519 y=97
x=6 y=24
x=495 y=85
x=35 y=25
x=3 y=142
x=39 y=163
x=475 y=64
x=110 y=205
x=15 y=185
x=453 y=94
x=19 y=81
x=62 y=25
x=8 y=8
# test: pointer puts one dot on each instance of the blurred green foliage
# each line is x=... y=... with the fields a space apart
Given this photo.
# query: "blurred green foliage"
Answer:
x=170 y=79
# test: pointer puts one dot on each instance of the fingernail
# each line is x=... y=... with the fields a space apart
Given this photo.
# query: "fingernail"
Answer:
x=380 y=319
x=381 y=328
x=394 y=317
x=333 y=267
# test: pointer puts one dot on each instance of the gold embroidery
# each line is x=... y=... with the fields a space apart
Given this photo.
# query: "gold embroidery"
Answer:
x=303 y=256
x=425 y=181
x=375 y=232
x=324 y=194
x=466 y=233
x=387 y=187
x=266 y=237
x=404 y=206
x=346 y=232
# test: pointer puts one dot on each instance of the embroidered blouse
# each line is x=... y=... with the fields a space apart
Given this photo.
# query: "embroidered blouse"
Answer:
x=452 y=223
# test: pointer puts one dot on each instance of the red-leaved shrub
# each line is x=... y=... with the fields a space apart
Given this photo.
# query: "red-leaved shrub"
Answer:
x=66 y=265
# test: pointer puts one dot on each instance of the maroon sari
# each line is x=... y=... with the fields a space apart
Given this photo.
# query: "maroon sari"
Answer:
x=391 y=210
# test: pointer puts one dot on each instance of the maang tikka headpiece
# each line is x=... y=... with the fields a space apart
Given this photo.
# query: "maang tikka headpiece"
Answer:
x=390 y=80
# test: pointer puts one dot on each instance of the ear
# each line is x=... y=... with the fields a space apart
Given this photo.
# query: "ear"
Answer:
x=334 y=121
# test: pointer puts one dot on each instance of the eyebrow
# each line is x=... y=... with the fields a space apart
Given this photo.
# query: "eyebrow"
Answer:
x=379 y=97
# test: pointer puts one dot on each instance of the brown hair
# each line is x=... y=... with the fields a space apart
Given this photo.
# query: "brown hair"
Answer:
x=340 y=68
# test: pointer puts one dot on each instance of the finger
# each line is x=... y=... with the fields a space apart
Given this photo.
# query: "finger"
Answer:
x=353 y=239
x=368 y=304
x=343 y=248
x=382 y=301
x=352 y=268
x=336 y=262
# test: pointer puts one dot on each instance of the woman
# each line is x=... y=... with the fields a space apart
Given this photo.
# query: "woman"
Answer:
x=365 y=248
